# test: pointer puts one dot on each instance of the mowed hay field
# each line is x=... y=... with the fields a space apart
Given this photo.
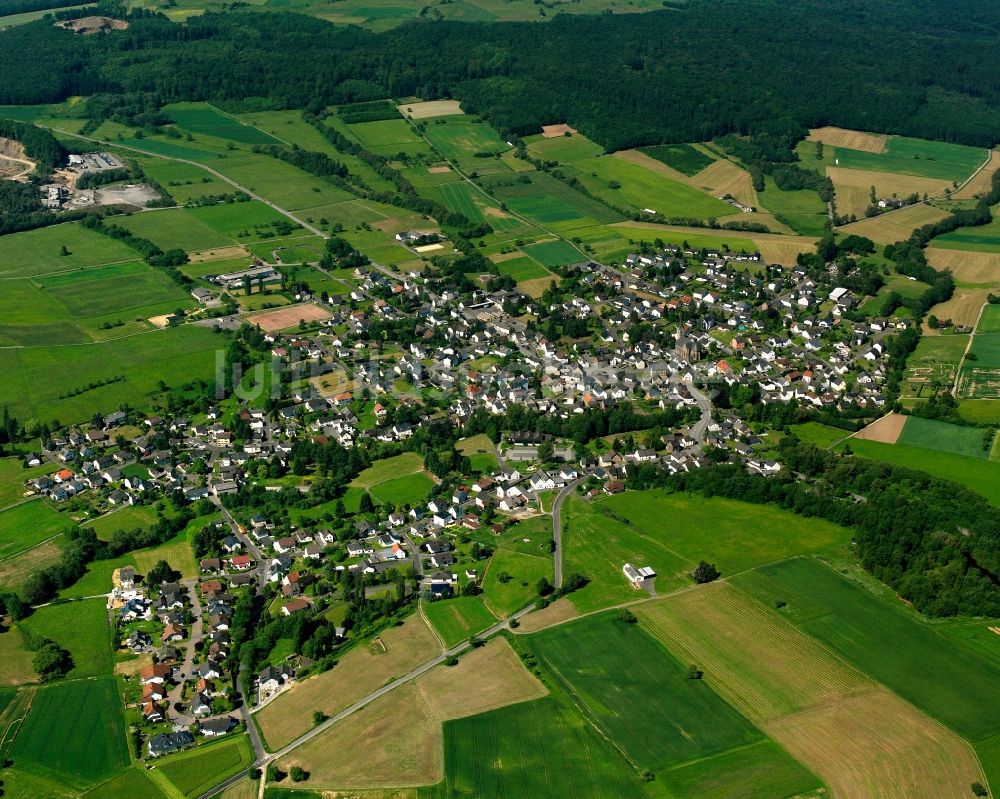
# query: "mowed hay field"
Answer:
x=981 y=181
x=886 y=429
x=851 y=139
x=755 y=660
x=724 y=177
x=968 y=267
x=397 y=739
x=853 y=187
x=361 y=671
x=895 y=226
x=964 y=306
x=876 y=745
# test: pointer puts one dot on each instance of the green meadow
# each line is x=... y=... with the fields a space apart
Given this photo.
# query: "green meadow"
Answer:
x=920 y=157
x=458 y=618
x=38 y=252
x=29 y=523
x=945 y=437
x=203 y=118
x=511 y=580
x=886 y=640
x=82 y=628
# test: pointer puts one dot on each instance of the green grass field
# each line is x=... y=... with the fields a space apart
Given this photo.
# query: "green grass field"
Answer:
x=125 y=518
x=944 y=437
x=456 y=619
x=978 y=475
x=522 y=268
x=74 y=732
x=37 y=252
x=985 y=238
x=802 y=210
x=552 y=254
x=546 y=200
x=914 y=157
x=939 y=675
x=82 y=628
x=504 y=597
x=196 y=771
x=175 y=227
x=682 y=157
x=128 y=785
x=524 y=750
x=411 y=489
x=203 y=118
x=638 y=694
x=38 y=378
x=566 y=149
x=819 y=434
x=29 y=523
x=288 y=186
x=388 y=137
x=640 y=188
x=461 y=198
x=461 y=137
x=389 y=469
x=113 y=289
x=12 y=477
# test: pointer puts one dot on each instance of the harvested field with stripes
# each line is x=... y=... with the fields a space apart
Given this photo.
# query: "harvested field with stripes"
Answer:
x=851 y=139
x=967 y=266
x=982 y=180
x=724 y=177
x=853 y=187
x=895 y=226
x=759 y=663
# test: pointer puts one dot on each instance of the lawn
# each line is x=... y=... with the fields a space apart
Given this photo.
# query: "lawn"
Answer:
x=938 y=674
x=945 y=437
x=522 y=751
x=388 y=469
x=456 y=619
x=74 y=730
x=196 y=771
x=930 y=159
x=504 y=596
x=639 y=695
x=37 y=252
x=28 y=524
x=977 y=475
x=552 y=254
x=82 y=628
x=409 y=490
x=642 y=188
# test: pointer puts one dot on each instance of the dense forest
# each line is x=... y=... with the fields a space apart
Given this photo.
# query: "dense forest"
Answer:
x=934 y=541
x=711 y=68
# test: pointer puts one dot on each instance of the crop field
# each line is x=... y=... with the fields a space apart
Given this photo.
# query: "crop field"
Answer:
x=28 y=524
x=522 y=751
x=236 y=220
x=977 y=475
x=522 y=268
x=505 y=596
x=984 y=238
x=642 y=188
x=566 y=149
x=801 y=210
x=83 y=746
x=951 y=162
x=203 y=118
x=695 y=237
x=461 y=198
x=884 y=639
x=850 y=139
x=411 y=489
x=362 y=670
x=969 y=267
x=456 y=619
x=988 y=752
x=462 y=137
x=755 y=660
x=194 y=772
x=723 y=177
x=82 y=628
x=944 y=437
x=37 y=252
x=877 y=745
x=131 y=783
x=397 y=739
x=113 y=289
x=552 y=254
x=853 y=187
x=980 y=184
x=895 y=225
x=682 y=157
x=546 y=200
x=430 y=109
x=37 y=378
x=388 y=469
x=638 y=693
x=716 y=529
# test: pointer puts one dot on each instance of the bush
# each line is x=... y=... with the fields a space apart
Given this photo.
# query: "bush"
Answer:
x=299 y=774
x=705 y=572
x=979 y=789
